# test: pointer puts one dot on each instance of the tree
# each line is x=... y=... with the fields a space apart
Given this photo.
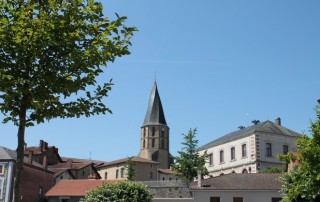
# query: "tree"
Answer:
x=121 y=191
x=130 y=169
x=303 y=182
x=190 y=162
x=51 y=53
x=273 y=170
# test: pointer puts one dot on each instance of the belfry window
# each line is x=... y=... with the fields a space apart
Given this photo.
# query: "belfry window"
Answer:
x=153 y=131
x=153 y=142
x=144 y=144
x=144 y=132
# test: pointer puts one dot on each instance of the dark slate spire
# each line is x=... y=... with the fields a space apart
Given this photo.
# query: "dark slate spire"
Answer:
x=155 y=115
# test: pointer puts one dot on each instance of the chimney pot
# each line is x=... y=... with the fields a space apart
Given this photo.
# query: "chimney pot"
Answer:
x=278 y=121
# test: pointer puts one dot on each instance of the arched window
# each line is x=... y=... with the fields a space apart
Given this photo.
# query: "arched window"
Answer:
x=144 y=144
x=162 y=144
x=153 y=142
x=144 y=132
x=153 y=131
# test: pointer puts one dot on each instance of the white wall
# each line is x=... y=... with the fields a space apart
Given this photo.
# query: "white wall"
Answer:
x=227 y=196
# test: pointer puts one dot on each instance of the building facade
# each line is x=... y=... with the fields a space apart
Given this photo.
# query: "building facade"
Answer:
x=250 y=150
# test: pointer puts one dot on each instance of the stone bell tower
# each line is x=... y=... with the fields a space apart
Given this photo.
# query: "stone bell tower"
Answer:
x=154 y=143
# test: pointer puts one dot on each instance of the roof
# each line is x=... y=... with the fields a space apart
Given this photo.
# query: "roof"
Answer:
x=239 y=181
x=76 y=187
x=155 y=114
x=77 y=160
x=7 y=154
x=124 y=160
x=266 y=127
x=11 y=155
x=166 y=171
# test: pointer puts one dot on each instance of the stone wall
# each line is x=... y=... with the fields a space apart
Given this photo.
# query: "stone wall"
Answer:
x=170 y=192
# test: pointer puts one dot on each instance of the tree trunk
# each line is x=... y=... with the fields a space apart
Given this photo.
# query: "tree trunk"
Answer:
x=20 y=155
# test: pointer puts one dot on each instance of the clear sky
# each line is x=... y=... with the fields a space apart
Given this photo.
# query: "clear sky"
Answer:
x=218 y=65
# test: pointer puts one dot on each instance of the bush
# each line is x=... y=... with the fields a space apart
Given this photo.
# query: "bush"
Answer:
x=120 y=192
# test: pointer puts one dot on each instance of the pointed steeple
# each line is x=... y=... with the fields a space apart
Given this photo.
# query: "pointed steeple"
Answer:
x=154 y=115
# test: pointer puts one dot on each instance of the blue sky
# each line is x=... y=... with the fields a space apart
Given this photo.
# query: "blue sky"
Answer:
x=218 y=65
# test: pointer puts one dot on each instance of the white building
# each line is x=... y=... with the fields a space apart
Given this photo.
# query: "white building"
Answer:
x=250 y=150
x=239 y=188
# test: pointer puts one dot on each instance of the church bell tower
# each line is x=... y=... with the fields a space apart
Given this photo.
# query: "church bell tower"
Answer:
x=154 y=143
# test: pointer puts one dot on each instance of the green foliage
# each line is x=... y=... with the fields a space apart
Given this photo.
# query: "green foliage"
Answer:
x=273 y=170
x=189 y=162
x=304 y=180
x=51 y=54
x=130 y=171
x=120 y=192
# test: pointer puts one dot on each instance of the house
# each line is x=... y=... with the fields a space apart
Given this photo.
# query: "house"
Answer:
x=73 y=190
x=145 y=170
x=63 y=168
x=74 y=170
x=36 y=178
x=239 y=187
x=250 y=150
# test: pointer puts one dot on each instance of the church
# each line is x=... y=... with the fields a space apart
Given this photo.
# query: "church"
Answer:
x=154 y=159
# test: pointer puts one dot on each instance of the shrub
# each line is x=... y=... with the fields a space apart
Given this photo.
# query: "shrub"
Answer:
x=120 y=192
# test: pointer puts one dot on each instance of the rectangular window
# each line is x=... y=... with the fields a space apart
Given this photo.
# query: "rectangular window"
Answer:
x=1 y=169
x=210 y=159
x=237 y=199
x=106 y=175
x=122 y=172
x=268 y=149
x=214 y=199
x=221 y=156
x=285 y=149
x=233 y=153
x=276 y=199
x=244 y=150
x=1 y=187
x=151 y=175
x=117 y=174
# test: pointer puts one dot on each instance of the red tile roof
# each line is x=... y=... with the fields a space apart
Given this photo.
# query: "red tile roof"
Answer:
x=76 y=187
x=124 y=160
x=253 y=181
x=166 y=171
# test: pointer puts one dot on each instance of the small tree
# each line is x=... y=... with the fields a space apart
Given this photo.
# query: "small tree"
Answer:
x=51 y=52
x=121 y=191
x=189 y=162
x=130 y=169
x=304 y=180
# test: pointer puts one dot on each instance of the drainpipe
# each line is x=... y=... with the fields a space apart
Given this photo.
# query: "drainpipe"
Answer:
x=199 y=179
x=9 y=182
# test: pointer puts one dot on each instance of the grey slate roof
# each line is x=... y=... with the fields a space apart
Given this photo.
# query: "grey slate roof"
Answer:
x=240 y=181
x=265 y=127
x=154 y=115
x=7 y=154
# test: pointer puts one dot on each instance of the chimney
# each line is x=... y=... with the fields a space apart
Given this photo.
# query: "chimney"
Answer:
x=45 y=162
x=278 y=121
x=69 y=163
x=30 y=157
x=45 y=146
x=41 y=145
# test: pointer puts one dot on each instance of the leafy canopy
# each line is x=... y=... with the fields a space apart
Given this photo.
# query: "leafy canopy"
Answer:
x=304 y=180
x=121 y=191
x=190 y=162
x=51 y=52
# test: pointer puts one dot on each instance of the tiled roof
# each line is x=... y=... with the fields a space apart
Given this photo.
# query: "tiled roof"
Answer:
x=124 y=160
x=166 y=171
x=253 y=181
x=77 y=160
x=266 y=127
x=76 y=187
